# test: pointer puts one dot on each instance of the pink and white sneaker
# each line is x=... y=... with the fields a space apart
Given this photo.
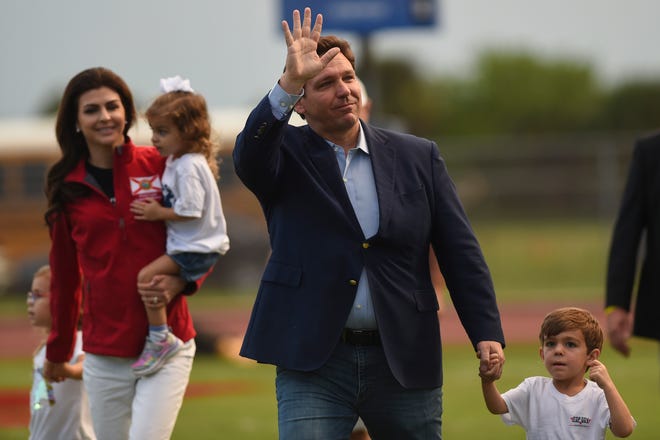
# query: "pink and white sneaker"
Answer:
x=155 y=354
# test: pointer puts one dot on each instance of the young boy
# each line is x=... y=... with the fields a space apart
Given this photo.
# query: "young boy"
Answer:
x=565 y=406
x=57 y=410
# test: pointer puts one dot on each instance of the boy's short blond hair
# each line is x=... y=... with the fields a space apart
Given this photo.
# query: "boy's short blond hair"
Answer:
x=573 y=318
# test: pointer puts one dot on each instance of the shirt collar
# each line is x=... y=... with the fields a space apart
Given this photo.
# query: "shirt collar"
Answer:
x=361 y=143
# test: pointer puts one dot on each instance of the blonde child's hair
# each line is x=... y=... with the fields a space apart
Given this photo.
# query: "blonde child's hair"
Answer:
x=43 y=271
x=573 y=318
x=189 y=114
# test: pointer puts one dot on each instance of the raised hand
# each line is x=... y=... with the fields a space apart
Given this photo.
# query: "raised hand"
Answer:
x=302 y=61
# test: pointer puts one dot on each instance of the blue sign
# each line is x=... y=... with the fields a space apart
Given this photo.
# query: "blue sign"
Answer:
x=365 y=16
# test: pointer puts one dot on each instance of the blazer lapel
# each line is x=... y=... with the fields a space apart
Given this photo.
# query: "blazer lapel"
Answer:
x=325 y=164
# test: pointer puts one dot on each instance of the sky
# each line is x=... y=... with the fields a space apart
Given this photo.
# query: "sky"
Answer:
x=233 y=51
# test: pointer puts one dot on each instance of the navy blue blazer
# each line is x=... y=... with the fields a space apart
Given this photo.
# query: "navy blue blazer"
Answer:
x=639 y=216
x=319 y=250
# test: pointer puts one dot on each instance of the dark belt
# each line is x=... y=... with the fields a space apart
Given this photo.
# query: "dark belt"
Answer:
x=360 y=337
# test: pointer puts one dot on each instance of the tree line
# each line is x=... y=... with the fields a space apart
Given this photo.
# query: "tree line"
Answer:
x=513 y=93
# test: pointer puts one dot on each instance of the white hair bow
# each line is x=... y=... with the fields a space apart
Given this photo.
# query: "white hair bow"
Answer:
x=175 y=84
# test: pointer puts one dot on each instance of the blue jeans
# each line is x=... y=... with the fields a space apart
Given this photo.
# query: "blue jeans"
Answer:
x=356 y=381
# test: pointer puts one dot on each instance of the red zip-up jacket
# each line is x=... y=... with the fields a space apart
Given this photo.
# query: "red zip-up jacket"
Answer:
x=98 y=241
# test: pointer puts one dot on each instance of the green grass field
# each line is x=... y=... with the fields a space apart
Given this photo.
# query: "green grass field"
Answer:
x=529 y=261
x=541 y=261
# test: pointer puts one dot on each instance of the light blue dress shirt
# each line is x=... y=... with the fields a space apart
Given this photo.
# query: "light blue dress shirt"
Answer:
x=357 y=174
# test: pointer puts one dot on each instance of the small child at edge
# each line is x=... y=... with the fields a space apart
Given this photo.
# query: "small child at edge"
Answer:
x=57 y=410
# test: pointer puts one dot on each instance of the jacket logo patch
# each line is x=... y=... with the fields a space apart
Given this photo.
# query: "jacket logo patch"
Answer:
x=148 y=187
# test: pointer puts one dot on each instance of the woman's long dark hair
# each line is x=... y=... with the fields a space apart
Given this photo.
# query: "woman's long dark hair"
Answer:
x=72 y=142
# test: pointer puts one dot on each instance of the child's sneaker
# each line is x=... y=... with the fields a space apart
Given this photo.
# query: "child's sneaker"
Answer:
x=155 y=354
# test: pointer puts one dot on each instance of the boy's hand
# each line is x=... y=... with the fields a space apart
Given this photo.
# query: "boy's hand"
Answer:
x=598 y=373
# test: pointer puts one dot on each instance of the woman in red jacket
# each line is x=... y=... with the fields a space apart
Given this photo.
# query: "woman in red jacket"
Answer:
x=97 y=249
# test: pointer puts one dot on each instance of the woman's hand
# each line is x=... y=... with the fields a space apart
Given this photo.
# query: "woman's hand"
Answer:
x=160 y=290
